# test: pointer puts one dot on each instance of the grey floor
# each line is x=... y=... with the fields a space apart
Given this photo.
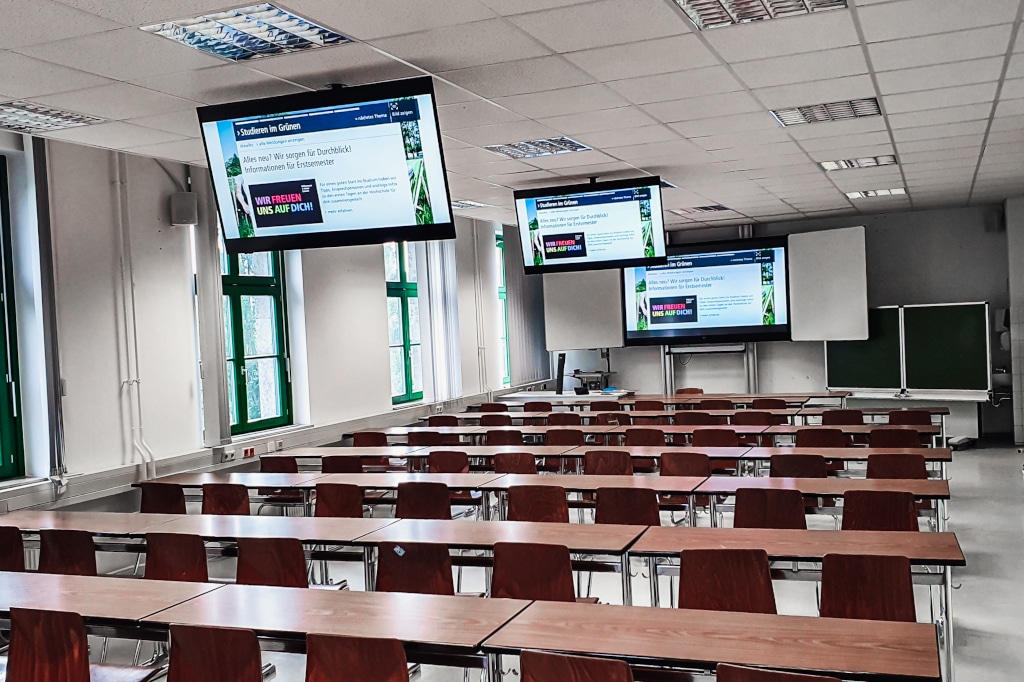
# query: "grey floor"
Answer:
x=987 y=514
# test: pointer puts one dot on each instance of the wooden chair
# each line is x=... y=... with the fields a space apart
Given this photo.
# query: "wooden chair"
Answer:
x=209 y=654
x=798 y=466
x=442 y=420
x=716 y=404
x=694 y=418
x=897 y=466
x=515 y=463
x=627 y=506
x=735 y=673
x=894 y=438
x=343 y=464
x=421 y=500
x=726 y=580
x=339 y=500
x=690 y=391
x=426 y=439
x=714 y=438
x=276 y=497
x=225 y=499
x=760 y=508
x=842 y=417
x=162 y=498
x=910 y=418
x=494 y=407
x=544 y=667
x=645 y=437
x=174 y=556
x=565 y=419
x=605 y=406
x=538 y=503
x=420 y=567
x=867 y=588
x=532 y=571
x=879 y=510
x=754 y=418
x=614 y=419
x=565 y=437
x=819 y=437
x=12 y=549
x=51 y=646
x=649 y=406
x=447 y=462
x=768 y=404
x=67 y=552
x=370 y=439
x=538 y=406
x=685 y=464
x=504 y=437
x=355 y=658
x=496 y=419
x=279 y=562
x=607 y=463
x=279 y=465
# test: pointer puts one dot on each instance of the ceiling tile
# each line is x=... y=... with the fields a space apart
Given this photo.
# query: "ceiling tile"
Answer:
x=518 y=77
x=944 y=97
x=1005 y=123
x=220 y=84
x=940 y=75
x=594 y=121
x=380 y=18
x=524 y=179
x=472 y=114
x=678 y=85
x=850 y=141
x=182 y=122
x=575 y=160
x=1010 y=107
x=971 y=112
x=117 y=101
x=348 y=64
x=724 y=104
x=941 y=155
x=800 y=68
x=550 y=103
x=510 y=7
x=447 y=93
x=459 y=47
x=802 y=94
x=182 y=150
x=853 y=126
x=1016 y=66
x=723 y=125
x=1012 y=89
x=929 y=144
x=627 y=136
x=142 y=12
x=27 y=77
x=909 y=18
x=26 y=23
x=775 y=149
x=114 y=135
x=645 y=58
x=747 y=139
x=502 y=133
x=940 y=49
x=681 y=150
x=780 y=37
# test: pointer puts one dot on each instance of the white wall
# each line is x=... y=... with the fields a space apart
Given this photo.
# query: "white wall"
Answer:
x=477 y=268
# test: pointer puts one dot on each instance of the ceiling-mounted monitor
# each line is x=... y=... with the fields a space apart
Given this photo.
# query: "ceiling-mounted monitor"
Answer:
x=358 y=165
x=597 y=226
x=710 y=293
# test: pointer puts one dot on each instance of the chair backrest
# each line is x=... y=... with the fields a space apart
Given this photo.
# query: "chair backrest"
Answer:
x=47 y=646
x=655 y=437
x=162 y=498
x=607 y=463
x=798 y=466
x=842 y=417
x=494 y=407
x=716 y=404
x=425 y=439
x=12 y=549
x=422 y=500
x=685 y=464
x=225 y=498
x=819 y=437
x=694 y=418
x=897 y=466
x=67 y=552
x=564 y=437
x=753 y=418
x=174 y=556
x=538 y=406
x=341 y=464
x=565 y=419
x=504 y=437
x=879 y=510
x=279 y=562
x=539 y=503
x=760 y=508
x=714 y=438
x=515 y=463
x=279 y=465
x=442 y=420
x=210 y=654
x=614 y=418
x=532 y=571
x=605 y=406
x=339 y=500
x=420 y=567
x=495 y=419
x=690 y=391
x=448 y=462
x=768 y=404
x=360 y=658
x=910 y=418
x=649 y=406
x=370 y=439
x=726 y=580
x=543 y=667
x=867 y=588
x=894 y=438
x=627 y=506
x=735 y=673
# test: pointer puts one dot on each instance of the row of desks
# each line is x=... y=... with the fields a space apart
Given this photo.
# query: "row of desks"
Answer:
x=435 y=625
x=802 y=414
x=583 y=402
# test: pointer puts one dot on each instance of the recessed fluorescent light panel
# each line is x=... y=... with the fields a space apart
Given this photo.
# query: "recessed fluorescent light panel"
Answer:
x=832 y=111
x=869 y=193
x=717 y=13
x=466 y=203
x=249 y=32
x=534 y=148
x=700 y=209
x=26 y=117
x=864 y=162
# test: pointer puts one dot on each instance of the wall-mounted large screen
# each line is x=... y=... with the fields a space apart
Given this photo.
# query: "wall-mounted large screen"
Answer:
x=360 y=165
x=707 y=293
x=598 y=226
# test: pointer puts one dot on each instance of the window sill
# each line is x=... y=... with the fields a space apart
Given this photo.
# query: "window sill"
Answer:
x=269 y=434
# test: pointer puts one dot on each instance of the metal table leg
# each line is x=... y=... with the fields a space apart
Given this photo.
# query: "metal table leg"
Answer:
x=627 y=586
x=652 y=565
x=947 y=621
x=369 y=568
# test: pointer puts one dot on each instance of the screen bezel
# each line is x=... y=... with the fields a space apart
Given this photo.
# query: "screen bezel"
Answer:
x=562 y=190
x=723 y=337
x=407 y=87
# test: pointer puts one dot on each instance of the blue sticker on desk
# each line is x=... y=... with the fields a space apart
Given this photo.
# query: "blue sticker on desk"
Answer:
x=399 y=551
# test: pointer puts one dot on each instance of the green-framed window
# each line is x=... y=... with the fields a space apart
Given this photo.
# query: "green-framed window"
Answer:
x=256 y=341
x=401 y=275
x=506 y=357
x=12 y=453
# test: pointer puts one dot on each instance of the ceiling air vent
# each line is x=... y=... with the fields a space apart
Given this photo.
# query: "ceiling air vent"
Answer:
x=832 y=111
x=534 y=148
x=707 y=14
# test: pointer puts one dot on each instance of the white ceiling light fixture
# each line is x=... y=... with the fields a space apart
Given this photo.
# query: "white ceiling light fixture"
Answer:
x=831 y=111
x=870 y=193
x=251 y=32
x=26 y=117
x=863 y=162
x=462 y=204
x=714 y=208
x=707 y=14
x=534 y=148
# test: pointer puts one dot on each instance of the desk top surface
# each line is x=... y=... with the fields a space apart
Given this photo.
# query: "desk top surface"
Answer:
x=443 y=430
x=934 y=411
x=744 y=429
x=856 y=429
x=97 y=523
x=646 y=635
x=930 y=454
x=491 y=450
x=305 y=528
x=577 y=483
x=656 y=451
x=386 y=451
x=827 y=487
x=542 y=428
x=250 y=479
x=386 y=481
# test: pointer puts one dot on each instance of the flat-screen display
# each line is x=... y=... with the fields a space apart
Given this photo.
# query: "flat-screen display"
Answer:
x=707 y=293
x=602 y=225
x=360 y=165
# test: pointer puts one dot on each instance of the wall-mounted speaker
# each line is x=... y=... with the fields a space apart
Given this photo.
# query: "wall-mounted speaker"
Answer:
x=184 y=209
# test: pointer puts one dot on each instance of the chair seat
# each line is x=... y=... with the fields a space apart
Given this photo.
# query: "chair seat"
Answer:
x=105 y=673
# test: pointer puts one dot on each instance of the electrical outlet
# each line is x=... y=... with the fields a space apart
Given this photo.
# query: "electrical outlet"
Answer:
x=248 y=452
x=271 y=446
x=280 y=445
x=227 y=456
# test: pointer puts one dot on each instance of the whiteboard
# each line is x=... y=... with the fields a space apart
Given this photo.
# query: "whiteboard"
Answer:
x=828 y=288
x=583 y=310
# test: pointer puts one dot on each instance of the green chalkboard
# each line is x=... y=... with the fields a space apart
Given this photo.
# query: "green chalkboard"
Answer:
x=947 y=347
x=874 y=363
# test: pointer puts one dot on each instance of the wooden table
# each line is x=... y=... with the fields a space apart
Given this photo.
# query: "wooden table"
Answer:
x=113 y=524
x=850 y=454
x=392 y=451
x=254 y=480
x=878 y=411
x=390 y=481
x=926 y=489
x=400 y=434
x=655 y=452
x=681 y=485
x=308 y=529
x=542 y=431
x=686 y=638
x=685 y=431
x=788 y=430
